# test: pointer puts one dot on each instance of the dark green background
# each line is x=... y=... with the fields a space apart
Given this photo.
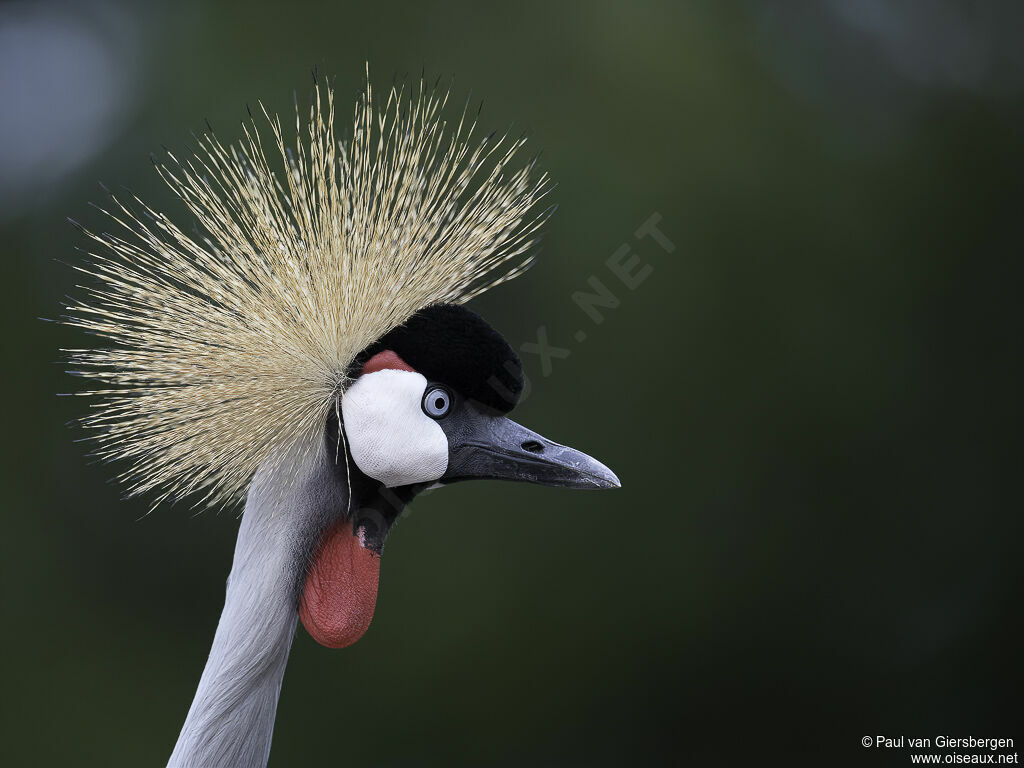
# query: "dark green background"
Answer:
x=813 y=402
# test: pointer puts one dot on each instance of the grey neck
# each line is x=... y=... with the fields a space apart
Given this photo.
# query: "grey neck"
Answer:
x=231 y=720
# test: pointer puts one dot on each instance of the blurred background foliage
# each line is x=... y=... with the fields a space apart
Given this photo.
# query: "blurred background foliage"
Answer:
x=813 y=401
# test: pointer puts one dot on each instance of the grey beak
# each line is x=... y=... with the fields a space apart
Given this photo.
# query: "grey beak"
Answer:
x=495 y=447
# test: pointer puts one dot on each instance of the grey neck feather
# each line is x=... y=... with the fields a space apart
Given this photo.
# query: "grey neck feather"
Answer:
x=231 y=720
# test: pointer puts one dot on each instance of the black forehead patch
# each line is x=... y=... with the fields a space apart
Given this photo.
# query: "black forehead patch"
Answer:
x=452 y=345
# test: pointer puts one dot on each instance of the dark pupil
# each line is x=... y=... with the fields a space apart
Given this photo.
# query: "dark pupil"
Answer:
x=439 y=403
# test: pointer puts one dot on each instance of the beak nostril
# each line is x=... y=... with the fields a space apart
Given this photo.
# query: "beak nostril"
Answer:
x=533 y=446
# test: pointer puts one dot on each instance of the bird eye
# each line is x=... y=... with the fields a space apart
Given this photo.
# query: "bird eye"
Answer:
x=437 y=402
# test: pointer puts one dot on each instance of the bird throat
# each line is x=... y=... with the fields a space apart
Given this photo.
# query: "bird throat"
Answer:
x=340 y=593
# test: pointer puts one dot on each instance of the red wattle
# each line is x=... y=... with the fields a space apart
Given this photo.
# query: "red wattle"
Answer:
x=340 y=593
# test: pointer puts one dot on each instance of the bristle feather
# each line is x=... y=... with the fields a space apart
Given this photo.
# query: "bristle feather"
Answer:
x=232 y=346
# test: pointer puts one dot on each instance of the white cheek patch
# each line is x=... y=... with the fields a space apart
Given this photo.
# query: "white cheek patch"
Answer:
x=392 y=440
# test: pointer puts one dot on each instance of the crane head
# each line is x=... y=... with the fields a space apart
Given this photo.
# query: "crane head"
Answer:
x=309 y=341
x=427 y=408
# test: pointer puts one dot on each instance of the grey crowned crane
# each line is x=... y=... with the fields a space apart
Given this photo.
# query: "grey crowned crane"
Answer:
x=307 y=351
